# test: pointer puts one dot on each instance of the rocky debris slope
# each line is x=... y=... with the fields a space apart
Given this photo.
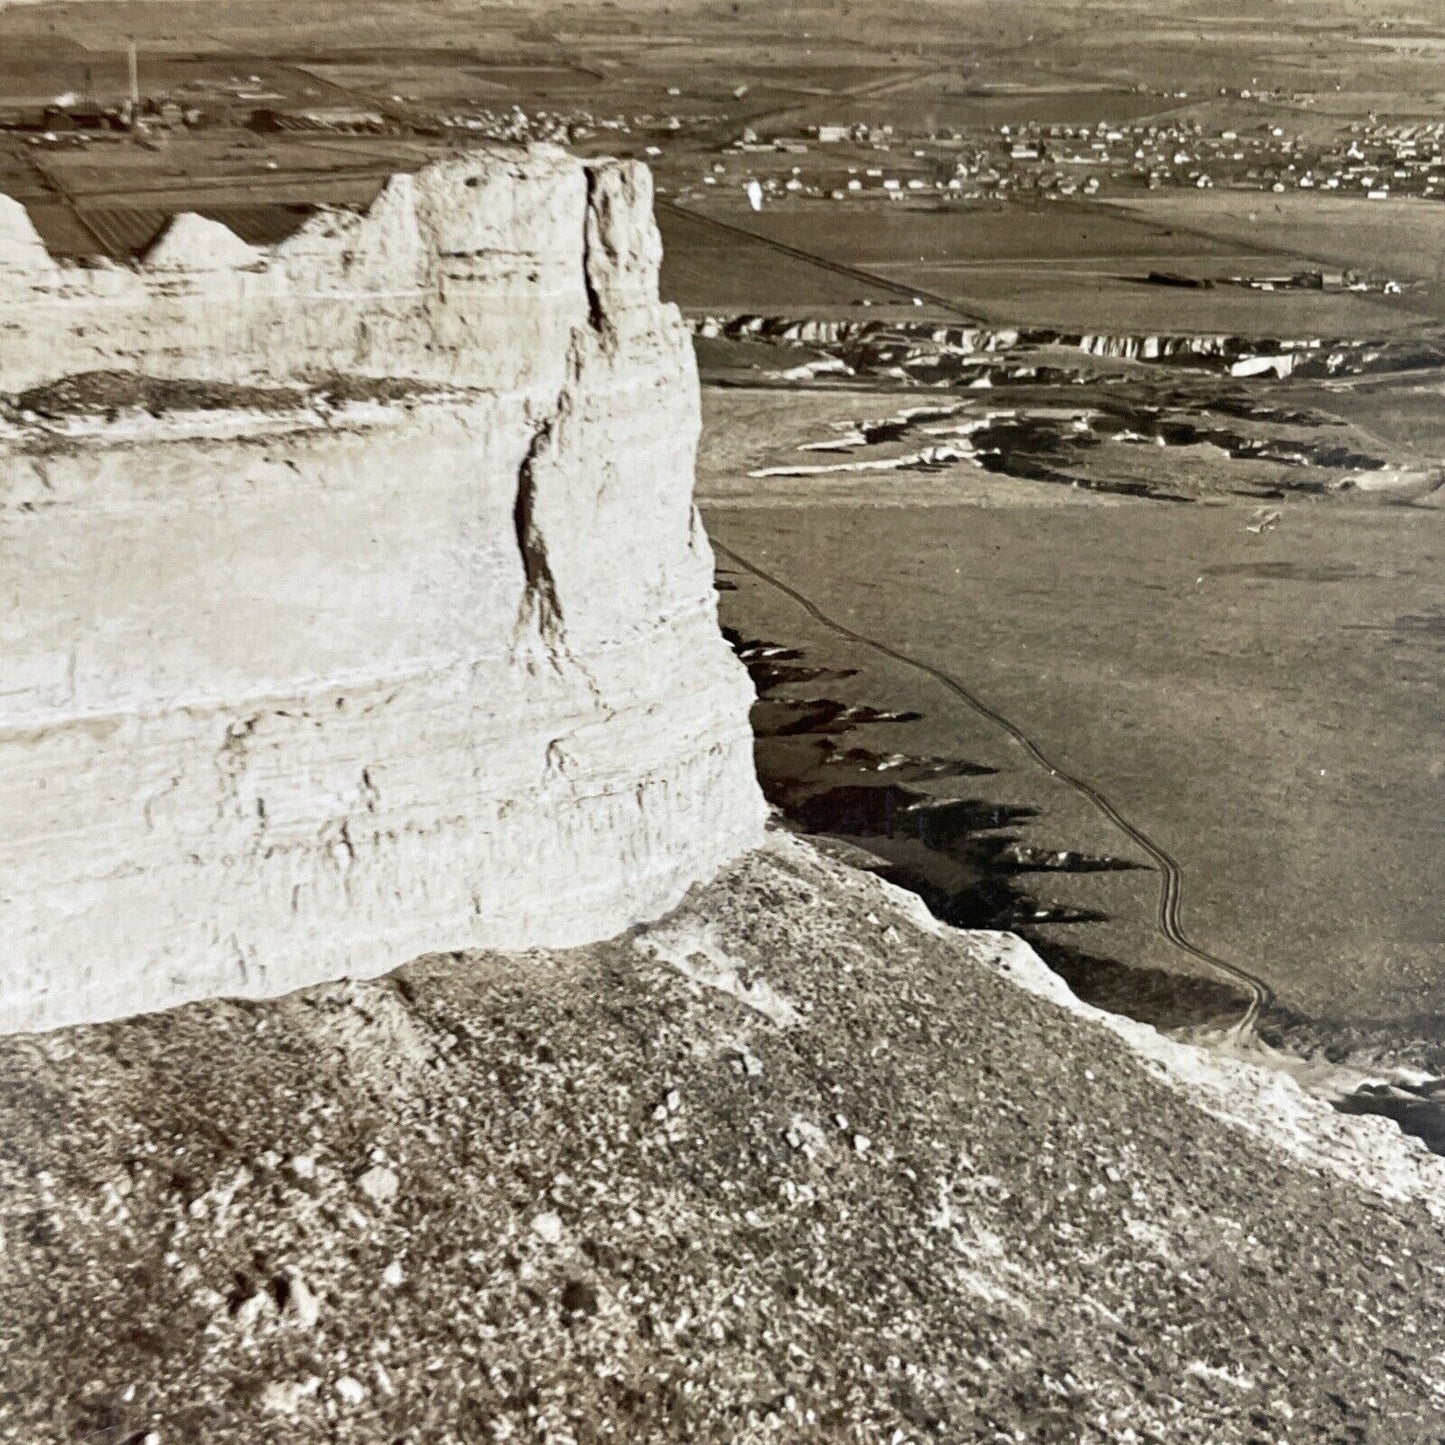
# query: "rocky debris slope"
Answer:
x=350 y=582
x=796 y=1163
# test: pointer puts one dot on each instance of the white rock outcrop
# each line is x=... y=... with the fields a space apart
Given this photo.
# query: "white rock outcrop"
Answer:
x=194 y=243
x=409 y=643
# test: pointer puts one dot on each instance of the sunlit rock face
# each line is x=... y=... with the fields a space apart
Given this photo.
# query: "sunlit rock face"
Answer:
x=366 y=612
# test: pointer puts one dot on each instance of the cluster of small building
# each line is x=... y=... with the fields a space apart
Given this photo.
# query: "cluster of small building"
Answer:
x=81 y=118
x=1069 y=159
x=838 y=169
x=1390 y=159
x=81 y=115
x=516 y=124
x=572 y=126
x=1066 y=160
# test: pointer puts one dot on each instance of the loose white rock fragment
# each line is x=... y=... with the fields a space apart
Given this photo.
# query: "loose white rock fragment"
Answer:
x=697 y=953
x=547 y=1227
x=393 y=1274
x=805 y=1135
x=751 y=1065
x=349 y=1390
x=379 y=1184
x=249 y=1311
x=284 y=1397
x=302 y=1307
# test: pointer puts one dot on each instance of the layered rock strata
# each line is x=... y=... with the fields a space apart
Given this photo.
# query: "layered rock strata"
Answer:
x=355 y=603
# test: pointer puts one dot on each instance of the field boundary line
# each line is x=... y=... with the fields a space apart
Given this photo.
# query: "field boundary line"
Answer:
x=840 y=268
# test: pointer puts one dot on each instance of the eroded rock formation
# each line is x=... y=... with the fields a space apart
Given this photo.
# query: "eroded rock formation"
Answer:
x=355 y=604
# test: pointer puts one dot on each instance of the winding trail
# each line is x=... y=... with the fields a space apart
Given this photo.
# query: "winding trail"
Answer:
x=1171 y=877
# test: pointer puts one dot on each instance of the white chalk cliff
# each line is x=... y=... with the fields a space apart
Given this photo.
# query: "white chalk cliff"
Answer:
x=396 y=634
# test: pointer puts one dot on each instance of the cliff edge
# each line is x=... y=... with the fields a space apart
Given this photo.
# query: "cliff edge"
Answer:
x=351 y=586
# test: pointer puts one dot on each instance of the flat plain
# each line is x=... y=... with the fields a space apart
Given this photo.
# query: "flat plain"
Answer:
x=1265 y=705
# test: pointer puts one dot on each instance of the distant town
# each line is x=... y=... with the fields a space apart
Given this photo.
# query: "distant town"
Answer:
x=1377 y=159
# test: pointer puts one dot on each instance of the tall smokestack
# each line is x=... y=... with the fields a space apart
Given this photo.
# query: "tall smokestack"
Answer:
x=134 y=79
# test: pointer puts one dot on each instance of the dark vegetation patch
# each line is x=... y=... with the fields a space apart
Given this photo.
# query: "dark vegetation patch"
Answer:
x=111 y=393
x=1068 y=446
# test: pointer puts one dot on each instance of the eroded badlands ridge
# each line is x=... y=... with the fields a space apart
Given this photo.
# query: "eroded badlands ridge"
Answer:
x=351 y=588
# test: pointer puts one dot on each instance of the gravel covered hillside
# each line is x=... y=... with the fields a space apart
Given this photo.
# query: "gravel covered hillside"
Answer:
x=790 y=1165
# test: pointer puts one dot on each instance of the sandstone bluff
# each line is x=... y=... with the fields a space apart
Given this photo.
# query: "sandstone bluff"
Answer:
x=349 y=587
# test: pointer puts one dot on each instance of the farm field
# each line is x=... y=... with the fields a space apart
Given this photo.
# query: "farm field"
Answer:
x=902 y=232
x=1080 y=267
x=712 y=270
x=1405 y=237
x=1117 y=300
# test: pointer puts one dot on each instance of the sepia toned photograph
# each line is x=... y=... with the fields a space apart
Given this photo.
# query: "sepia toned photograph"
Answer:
x=721 y=723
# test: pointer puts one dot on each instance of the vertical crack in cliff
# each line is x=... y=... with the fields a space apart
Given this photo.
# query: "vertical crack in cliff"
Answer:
x=540 y=614
x=540 y=606
x=596 y=310
x=232 y=760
